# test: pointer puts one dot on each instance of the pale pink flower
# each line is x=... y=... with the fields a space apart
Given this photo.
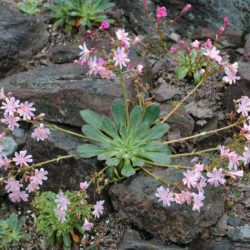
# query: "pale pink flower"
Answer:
x=104 y=72
x=98 y=209
x=12 y=185
x=26 y=110
x=244 y=105
x=196 y=44
x=201 y=184
x=213 y=54
x=198 y=167
x=85 y=52
x=87 y=226
x=235 y=174
x=186 y=8
x=246 y=131
x=11 y=121
x=216 y=177
x=191 y=178
x=165 y=195
x=22 y=159
x=18 y=196
x=4 y=162
x=224 y=152
x=62 y=201
x=40 y=133
x=93 y=66
x=246 y=156
x=197 y=199
x=84 y=185
x=13 y=188
x=161 y=12
x=231 y=73
x=122 y=36
x=37 y=179
x=184 y=196
x=121 y=58
x=221 y=29
x=10 y=105
x=2 y=95
x=60 y=214
x=104 y=25
x=234 y=159
x=137 y=40
x=139 y=68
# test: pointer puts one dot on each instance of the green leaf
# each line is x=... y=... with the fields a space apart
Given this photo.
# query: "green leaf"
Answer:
x=181 y=72
x=158 y=131
x=92 y=118
x=157 y=157
x=88 y=150
x=136 y=116
x=94 y=134
x=151 y=114
x=118 y=112
x=109 y=128
x=127 y=169
x=66 y=240
x=197 y=77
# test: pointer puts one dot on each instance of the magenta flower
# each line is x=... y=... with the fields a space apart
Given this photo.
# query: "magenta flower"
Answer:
x=186 y=8
x=244 y=105
x=87 y=226
x=98 y=209
x=161 y=12
x=26 y=110
x=174 y=49
x=11 y=121
x=208 y=44
x=121 y=58
x=10 y=105
x=165 y=195
x=104 y=25
x=40 y=133
x=216 y=177
x=191 y=178
x=226 y=21
x=22 y=159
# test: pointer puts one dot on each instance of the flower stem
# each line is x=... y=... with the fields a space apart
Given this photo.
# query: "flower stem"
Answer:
x=124 y=92
x=203 y=133
x=195 y=152
x=158 y=178
x=168 y=166
x=52 y=126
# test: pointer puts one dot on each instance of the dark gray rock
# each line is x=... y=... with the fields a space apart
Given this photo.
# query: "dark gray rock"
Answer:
x=164 y=92
x=62 y=91
x=133 y=241
x=65 y=174
x=247 y=48
x=241 y=233
x=223 y=244
x=21 y=37
x=135 y=202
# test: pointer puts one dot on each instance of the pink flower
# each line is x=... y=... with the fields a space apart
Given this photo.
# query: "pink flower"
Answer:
x=221 y=29
x=191 y=178
x=22 y=159
x=233 y=161
x=137 y=40
x=4 y=162
x=12 y=185
x=122 y=36
x=139 y=68
x=213 y=54
x=216 y=178
x=182 y=43
x=197 y=199
x=184 y=196
x=15 y=194
x=18 y=196
x=60 y=214
x=186 y=8
x=164 y=195
x=231 y=71
x=93 y=66
x=226 y=21
x=208 y=44
x=121 y=58
x=198 y=167
x=84 y=185
x=84 y=54
x=11 y=121
x=174 y=49
x=246 y=156
x=26 y=110
x=161 y=12
x=62 y=201
x=87 y=226
x=98 y=209
x=196 y=44
x=235 y=174
x=201 y=184
x=10 y=105
x=41 y=133
x=2 y=95
x=244 y=105
x=37 y=179
x=105 y=25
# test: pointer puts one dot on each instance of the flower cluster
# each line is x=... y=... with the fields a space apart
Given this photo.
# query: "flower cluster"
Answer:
x=62 y=203
x=19 y=166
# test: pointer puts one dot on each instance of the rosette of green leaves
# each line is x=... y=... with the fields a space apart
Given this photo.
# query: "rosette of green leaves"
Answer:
x=90 y=11
x=49 y=225
x=11 y=231
x=125 y=148
x=29 y=7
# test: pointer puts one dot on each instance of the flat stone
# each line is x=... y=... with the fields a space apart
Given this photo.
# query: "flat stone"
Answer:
x=199 y=112
x=164 y=92
x=247 y=48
